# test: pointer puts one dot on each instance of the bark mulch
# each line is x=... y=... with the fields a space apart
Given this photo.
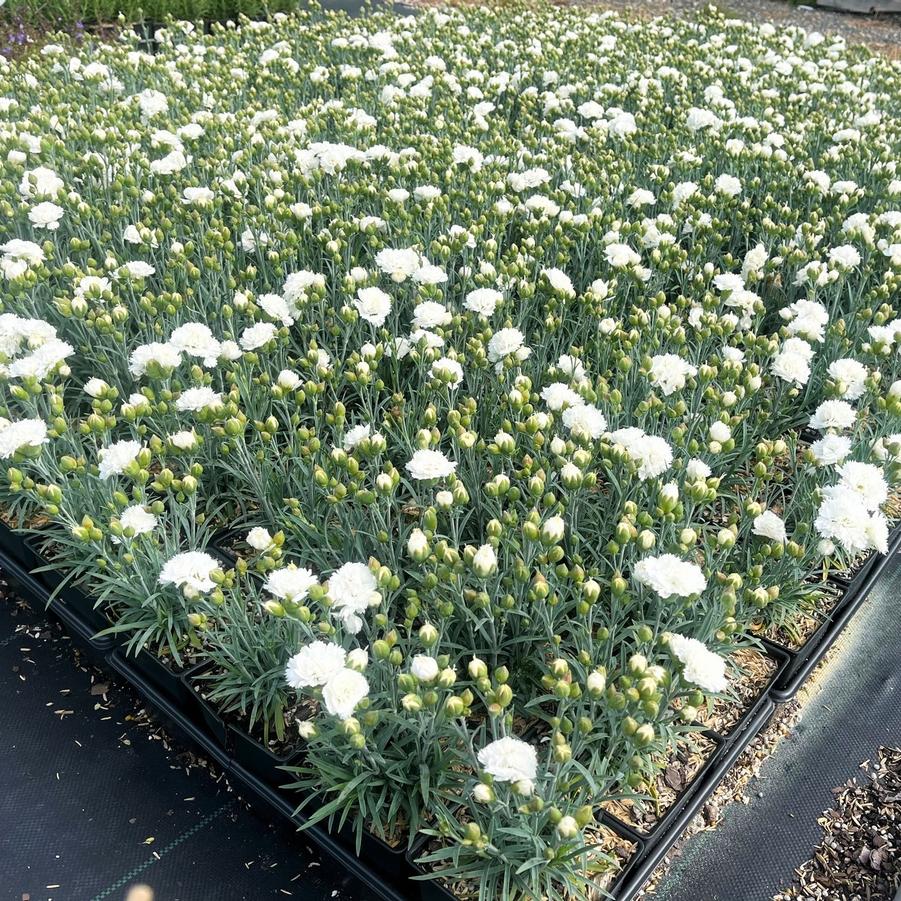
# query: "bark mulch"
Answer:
x=859 y=858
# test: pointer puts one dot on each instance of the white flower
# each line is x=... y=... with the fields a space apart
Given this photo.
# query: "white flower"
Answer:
x=201 y=197
x=138 y=519
x=728 y=185
x=315 y=664
x=585 y=421
x=288 y=379
x=353 y=589
x=259 y=538
x=833 y=414
x=358 y=659
x=845 y=257
x=19 y=249
x=448 y=371
x=424 y=668
x=622 y=125
x=792 y=363
x=41 y=362
x=117 y=457
x=184 y=440
x=343 y=692
x=24 y=433
x=373 y=305
x=697 y=469
x=831 y=449
x=505 y=342
x=484 y=561
x=641 y=197
x=355 y=435
x=483 y=301
x=427 y=274
x=418 y=545
x=195 y=339
x=172 y=162
x=653 y=454
x=163 y=356
x=560 y=282
x=275 y=306
x=197 y=399
x=94 y=387
x=430 y=464
x=152 y=103
x=867 y=481
x=41 y=183
x=852 y=376
x=619 y=256
x=754 y=261
x=670 y=576
x=191 y=571
x=298 y=284
x=139 y=269
x=398 y=265
x=509 y=760
x=698 y=119
x=559 y=395
x=669 y=372
x=720 y=431
x=290 y=583
x=572 y=366
x=256 y=336
x=46 y=215
x=701 y=666
x=843 y=518
x=769 y=525
x=430 y=315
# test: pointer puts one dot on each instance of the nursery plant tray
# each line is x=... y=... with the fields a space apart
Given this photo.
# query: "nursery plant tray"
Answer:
x=804 y=660
x=387 y=871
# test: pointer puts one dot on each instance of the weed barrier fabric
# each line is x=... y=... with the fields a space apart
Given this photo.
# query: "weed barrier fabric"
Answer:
x=86 y=828
x=852 y=710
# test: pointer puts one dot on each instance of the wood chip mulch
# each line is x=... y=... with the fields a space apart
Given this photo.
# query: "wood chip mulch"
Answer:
x=859 y=858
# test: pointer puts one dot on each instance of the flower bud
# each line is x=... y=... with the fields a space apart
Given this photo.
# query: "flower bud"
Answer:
x=428 y=635
x=553 y=530
x=596 y=683
x=484 y=563
x=412 y=703
x=477 y=669
x=418 y=546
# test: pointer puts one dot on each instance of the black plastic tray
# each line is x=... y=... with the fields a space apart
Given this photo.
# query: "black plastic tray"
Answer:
x=805 y=659
x=386 y=871
x=259 y=790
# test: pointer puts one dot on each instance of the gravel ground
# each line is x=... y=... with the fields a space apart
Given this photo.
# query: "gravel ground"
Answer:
x=879 y=32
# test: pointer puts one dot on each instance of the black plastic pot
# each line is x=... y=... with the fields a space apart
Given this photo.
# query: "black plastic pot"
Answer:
x=849 y=580
x=221 y=543
x=259 y=760
x=32 y=589
x=170 y=713
x=783 y=660
x=389 y=861
x=639 y=869
x=256 y=789
x=807 y=658
x=167 y=682
x=64 y=592
x=146 y=32
x=13 y=546
x=200 y=706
